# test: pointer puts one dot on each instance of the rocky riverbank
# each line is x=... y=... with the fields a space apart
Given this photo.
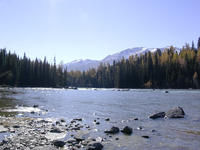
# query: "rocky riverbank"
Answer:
x=26 y=133
x=31 y=133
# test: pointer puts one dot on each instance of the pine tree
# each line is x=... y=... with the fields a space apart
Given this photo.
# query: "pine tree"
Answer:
x=198 y=44
x=193 y=48
x=195 y=80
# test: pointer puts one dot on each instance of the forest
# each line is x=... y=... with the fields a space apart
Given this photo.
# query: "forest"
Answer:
x=161 y=69
x=23 y=72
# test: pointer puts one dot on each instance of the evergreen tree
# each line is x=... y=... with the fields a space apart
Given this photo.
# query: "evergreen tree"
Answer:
x=198 y=44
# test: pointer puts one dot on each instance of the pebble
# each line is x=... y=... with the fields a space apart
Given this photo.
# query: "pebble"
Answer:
x=145 y=136
x=113 y=130
x=107 y=119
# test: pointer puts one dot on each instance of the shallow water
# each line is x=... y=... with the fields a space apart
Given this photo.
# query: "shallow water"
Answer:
x=121 y=107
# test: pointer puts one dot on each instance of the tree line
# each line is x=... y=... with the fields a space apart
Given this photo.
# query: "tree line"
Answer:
x=23 y=72
x=160 y=69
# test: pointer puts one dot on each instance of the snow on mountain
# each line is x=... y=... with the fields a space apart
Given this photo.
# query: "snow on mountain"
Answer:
x=83 y=65
x=126 y=54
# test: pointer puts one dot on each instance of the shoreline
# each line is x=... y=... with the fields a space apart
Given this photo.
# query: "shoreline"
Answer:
x=76 y=88
x=26 y=133
x=46 y=134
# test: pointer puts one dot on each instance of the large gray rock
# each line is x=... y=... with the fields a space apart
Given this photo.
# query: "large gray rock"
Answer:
x=176 y=112
x=157 y=115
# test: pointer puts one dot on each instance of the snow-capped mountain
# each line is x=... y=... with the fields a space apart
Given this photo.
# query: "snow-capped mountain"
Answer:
x=126 y=54
x=83 y=65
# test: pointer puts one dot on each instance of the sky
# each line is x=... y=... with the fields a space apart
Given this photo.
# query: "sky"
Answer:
x=93 y=29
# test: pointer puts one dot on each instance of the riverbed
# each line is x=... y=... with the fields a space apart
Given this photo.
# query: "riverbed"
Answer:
x=123 y=107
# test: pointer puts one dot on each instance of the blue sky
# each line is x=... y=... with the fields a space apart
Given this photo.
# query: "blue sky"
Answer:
x=74 y=29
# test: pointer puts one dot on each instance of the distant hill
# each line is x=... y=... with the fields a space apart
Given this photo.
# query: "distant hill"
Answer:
x=83 y=65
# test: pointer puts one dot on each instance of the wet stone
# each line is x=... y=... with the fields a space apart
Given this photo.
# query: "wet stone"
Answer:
x=113 y=130
x=58 y=143
x=176 y=112
x=35 y=106
x=157 y=115
x=139 y=128
x=145 y=136
x=55 y=130
x=16 y=126
x=127 y=130
x=71 y=140
x=79 y=139
x=95 y=146
x=97 y=123
x=57 y=123
x=78 y=119
x=107 y=119
x=62 y=120
x=153 y=130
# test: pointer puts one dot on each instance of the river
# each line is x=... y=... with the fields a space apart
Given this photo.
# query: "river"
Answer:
x=121 y=106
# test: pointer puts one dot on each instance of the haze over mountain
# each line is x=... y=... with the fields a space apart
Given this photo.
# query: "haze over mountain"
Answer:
x=83 y=65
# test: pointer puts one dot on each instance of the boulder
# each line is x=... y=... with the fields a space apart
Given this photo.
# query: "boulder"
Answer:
x=113 y=130
x=176 y=112
x=95 y=146
x=127 y=130
x=55 y=130
x=58 y=143
x=157 y=115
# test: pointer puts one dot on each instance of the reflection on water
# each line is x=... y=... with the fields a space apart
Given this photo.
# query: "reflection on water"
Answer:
x=121 y=106
x=7 y=101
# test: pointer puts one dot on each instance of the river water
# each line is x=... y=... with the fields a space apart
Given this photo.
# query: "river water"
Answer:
x=122 y=107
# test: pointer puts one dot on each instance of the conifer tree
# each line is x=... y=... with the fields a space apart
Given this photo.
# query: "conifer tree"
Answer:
x=198 y=44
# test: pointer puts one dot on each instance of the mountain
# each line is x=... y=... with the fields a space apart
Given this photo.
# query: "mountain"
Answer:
x=83 y=65
x=126 y=53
